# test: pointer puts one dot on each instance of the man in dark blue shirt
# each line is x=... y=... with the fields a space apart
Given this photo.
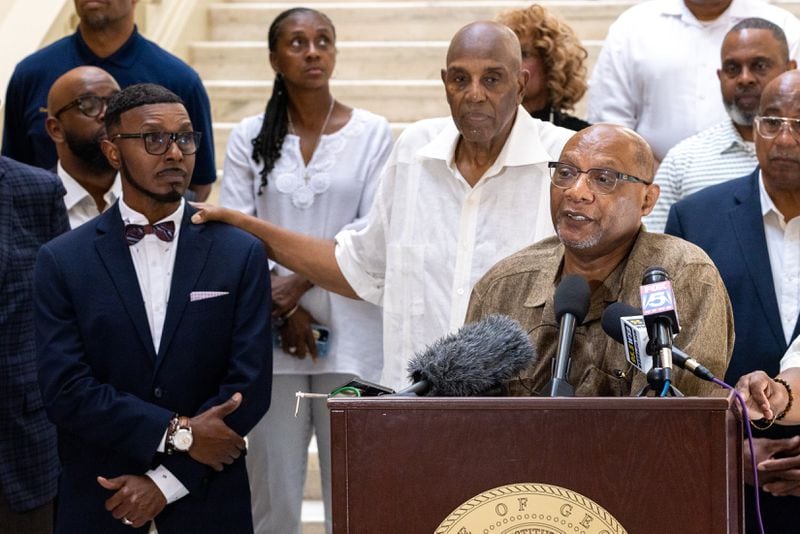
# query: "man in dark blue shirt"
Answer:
x=107 y=38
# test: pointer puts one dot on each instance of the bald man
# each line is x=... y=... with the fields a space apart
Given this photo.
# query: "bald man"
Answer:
x=457 y=194
x=601 y=186
x=76 y=107
x=751 y=227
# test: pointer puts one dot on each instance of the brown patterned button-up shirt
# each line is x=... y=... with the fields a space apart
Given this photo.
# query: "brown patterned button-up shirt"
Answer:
x=522 y=287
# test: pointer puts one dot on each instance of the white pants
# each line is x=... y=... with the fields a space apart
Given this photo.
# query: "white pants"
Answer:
x=278 y=452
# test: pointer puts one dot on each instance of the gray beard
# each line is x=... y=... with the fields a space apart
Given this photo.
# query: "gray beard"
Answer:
x=589 y=242
x=738 y=116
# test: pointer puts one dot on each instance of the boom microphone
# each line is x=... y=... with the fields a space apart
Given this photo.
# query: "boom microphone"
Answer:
x=570 y=303
x=474 y=361
x=612 y=326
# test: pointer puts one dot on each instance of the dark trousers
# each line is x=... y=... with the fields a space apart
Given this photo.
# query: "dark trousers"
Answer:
x=36 y=521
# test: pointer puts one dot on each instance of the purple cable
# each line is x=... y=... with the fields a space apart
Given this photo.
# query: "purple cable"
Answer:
x=750 y=443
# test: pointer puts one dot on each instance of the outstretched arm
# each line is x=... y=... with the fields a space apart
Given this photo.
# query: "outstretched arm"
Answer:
x=308 y=256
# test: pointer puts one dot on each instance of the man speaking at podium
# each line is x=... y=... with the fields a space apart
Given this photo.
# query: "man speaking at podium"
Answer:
x=601 y=187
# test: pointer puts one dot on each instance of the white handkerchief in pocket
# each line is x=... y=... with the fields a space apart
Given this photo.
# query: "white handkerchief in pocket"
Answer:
x=194 y=296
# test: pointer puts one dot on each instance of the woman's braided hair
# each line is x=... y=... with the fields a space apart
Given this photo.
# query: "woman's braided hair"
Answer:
x=267 y=144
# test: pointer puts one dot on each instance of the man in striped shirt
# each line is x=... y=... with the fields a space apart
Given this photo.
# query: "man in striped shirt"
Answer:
x=753 y=53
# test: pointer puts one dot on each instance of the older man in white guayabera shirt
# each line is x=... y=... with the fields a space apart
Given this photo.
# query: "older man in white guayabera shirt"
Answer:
x=457 y=195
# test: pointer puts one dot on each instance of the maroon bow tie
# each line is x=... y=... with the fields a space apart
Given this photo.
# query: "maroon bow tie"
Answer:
x=135 y=232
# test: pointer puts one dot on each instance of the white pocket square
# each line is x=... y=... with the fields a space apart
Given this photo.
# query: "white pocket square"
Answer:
x=194 y=296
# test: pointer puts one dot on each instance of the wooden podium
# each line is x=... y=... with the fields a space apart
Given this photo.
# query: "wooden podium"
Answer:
x=657 y=465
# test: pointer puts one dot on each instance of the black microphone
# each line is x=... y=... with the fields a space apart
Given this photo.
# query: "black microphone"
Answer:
x=612 y=326
x=474 y=361
x=660 y=316
x=571 y=303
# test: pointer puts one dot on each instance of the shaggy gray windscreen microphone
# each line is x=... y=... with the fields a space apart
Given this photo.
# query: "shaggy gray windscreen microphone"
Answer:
x=478 y=358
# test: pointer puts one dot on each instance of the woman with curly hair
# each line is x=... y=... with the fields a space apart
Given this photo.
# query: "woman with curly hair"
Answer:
x=554 y=57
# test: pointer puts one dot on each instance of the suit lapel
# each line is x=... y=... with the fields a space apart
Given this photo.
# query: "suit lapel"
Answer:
x=748 y=224
x=190 y=260
x=113 y=251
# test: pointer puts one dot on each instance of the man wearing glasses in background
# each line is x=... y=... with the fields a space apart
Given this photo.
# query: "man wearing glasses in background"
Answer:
x=106 y=37
x=751 y=229
x=153 y=341
x=76 y=108
x=601 y=187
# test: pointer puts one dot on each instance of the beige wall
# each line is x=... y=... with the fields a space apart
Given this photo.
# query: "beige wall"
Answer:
x=26 y=26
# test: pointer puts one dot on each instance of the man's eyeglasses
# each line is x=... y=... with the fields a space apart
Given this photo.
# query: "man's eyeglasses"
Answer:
x=157 y=143
x=91 y=106
x=770 y=127
x=601 y=181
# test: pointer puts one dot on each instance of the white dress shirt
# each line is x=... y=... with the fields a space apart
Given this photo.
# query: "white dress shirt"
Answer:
x=81 y=207
x=792 y=356
x=154 y=260
x=657 y=70
x=342 y=177
x=715 y=155
x=430 y=236
x=783 y=244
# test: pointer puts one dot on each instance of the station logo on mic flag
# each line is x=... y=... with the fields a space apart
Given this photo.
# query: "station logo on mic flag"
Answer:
x=657 y=298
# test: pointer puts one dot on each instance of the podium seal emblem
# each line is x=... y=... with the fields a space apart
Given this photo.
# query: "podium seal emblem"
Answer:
x=530 y=508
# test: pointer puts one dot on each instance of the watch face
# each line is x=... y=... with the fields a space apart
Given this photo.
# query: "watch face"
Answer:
x=182 y=439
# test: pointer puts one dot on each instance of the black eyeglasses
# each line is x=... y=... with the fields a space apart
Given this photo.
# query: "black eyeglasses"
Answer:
x=601 y=181
x=157 y=143
x=91 y=106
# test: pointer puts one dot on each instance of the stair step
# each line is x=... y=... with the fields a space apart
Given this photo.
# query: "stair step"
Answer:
x=313 y=516
x=313 y=488
x=398 y=101
x=410 y=20
x=248 y=60
x=222 y=131
x=356 y=60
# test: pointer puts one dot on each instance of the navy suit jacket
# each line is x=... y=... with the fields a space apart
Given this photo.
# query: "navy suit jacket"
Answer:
x=112 y=396
x=31 y=213
x=725 y=220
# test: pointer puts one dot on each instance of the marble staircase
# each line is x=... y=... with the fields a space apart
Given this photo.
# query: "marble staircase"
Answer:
x=390 y=53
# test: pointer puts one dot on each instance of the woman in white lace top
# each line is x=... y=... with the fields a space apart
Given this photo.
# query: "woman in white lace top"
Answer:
x=310 y=164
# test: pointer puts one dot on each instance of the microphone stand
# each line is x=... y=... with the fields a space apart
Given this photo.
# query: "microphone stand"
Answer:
x=660 y=348
x=559 y=386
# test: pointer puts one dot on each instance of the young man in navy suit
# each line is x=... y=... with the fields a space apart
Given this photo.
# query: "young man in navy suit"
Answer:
x=750 y=227
x=153 y=341
x=31 y=213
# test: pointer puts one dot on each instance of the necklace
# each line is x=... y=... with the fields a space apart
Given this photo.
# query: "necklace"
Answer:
x=306 y=177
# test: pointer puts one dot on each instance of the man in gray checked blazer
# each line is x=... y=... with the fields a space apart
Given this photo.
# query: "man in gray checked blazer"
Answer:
x=31 y=213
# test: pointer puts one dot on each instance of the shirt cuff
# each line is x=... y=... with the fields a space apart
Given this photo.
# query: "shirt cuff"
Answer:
x=169 y=485
x=365 y=286
x=792 y=356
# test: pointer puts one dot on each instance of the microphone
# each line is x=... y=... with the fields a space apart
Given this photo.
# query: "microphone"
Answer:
x=660 y=316
x=612 y=321
x=571 y=303
x=474 y=361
